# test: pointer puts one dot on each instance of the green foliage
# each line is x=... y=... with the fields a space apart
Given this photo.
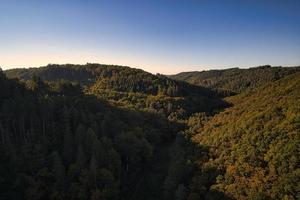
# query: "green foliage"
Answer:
x=127 y=87
x=110 y=132
x=235 y=80
x=57 y=143
x=72 y=73
x=140 y=90
x=255 y=143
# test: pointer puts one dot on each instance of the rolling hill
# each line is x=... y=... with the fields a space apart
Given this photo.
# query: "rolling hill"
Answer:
x=235 y=80
x=130 y=87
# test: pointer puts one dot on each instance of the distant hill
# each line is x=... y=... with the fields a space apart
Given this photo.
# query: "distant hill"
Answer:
x=254 y=145
x=235 y=80
x=130 y=87
x=117 y=78
x=83 y=74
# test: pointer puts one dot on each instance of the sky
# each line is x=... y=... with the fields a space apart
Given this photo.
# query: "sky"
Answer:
x=167 y=36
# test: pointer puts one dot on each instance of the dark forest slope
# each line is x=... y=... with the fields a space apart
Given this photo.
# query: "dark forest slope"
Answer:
x=255 y=145
x=236 y=80
x=57 y=143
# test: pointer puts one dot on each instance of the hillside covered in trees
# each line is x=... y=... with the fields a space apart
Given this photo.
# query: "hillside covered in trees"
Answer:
x=254 y=145
x=52 y=72
x=111 y=132
x=57 y=143
x=235 y=80
x=60 y=140
x=131 y=87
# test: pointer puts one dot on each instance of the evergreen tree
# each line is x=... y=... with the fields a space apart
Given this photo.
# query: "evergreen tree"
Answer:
x=59 y=172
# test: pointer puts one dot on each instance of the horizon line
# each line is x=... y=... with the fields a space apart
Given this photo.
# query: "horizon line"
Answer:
x=142 y=68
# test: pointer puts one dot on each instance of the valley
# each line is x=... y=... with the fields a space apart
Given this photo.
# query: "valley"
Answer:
x=99 y=131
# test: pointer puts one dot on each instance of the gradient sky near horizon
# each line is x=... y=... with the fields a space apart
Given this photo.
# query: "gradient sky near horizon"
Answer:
x=166 y=36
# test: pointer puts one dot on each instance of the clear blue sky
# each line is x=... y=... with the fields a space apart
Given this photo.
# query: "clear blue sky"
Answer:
x=166 y=36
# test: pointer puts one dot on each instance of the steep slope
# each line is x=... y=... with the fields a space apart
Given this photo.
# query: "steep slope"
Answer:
x=254 y=146
x=236 y=80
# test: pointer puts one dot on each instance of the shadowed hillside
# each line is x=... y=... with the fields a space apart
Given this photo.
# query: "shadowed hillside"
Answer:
x=58 y=144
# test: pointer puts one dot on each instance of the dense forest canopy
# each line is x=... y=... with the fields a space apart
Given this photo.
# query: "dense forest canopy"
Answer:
x=61 y=145
x=131 y=87
x=111 y=132
x=236 y=80
x=52 y=72
x=60 y=140
x=255 y=145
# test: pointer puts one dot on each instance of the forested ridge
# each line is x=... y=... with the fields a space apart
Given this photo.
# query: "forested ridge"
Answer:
x=111 y=132
x=236 y=80
x=131 y=87
x=53 y=72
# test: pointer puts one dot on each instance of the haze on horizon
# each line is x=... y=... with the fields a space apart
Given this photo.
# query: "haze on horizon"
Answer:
x=158 y=36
